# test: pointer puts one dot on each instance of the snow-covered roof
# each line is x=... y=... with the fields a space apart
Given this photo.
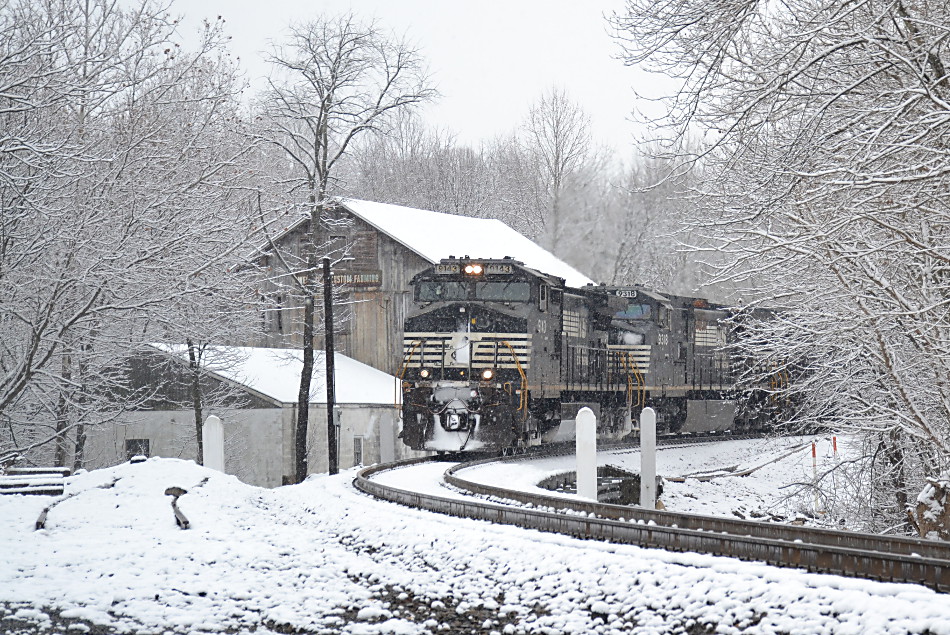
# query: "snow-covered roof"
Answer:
x=435 y=236
x=275 y=373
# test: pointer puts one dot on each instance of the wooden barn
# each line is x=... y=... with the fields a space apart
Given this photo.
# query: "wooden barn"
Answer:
x=378 y=249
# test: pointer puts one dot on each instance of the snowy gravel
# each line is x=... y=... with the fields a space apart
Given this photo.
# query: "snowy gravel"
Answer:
x=321 y=557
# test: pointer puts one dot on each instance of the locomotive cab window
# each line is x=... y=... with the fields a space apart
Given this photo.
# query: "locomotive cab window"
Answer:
x=433 y=291
x=543 y=297
x=503 y=291
x=636 y=311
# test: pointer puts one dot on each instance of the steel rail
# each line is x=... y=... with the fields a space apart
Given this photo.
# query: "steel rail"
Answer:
x=719 y=524
x=824 y=551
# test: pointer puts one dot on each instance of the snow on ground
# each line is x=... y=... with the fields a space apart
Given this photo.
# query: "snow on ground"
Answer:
x=322 y=557
x=425 y=478
x=768 y=492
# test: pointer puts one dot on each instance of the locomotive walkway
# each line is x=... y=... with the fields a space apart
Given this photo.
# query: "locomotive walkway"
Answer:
x=891 y=559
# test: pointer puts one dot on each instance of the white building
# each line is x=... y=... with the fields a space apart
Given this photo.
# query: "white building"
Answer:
x=259 y=427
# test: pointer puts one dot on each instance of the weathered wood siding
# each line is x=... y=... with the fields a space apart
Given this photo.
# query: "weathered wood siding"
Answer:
x=375 y=278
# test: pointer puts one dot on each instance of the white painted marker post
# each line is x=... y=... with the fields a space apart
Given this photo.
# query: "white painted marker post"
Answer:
x=212 y=433
x=648 y=458
x=586 y=444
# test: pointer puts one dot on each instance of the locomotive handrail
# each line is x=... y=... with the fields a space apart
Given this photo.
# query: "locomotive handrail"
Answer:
x=402 y=372
x=408 y=358
x=641 y=382
x=523 y=401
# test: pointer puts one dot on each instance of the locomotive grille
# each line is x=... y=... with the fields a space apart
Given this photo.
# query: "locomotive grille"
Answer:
x=639 y=355
x=573 y=324
x=710 y=335
x=486 y=350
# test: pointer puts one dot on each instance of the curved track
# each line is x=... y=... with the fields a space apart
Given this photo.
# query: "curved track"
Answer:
x=851 y=554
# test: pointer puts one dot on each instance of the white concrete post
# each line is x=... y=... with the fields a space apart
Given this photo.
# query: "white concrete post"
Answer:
x=648 y=458
x=212 y=433
x=586 y=444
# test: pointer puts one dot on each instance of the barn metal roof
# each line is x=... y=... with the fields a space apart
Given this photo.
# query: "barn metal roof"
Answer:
x=435 y=236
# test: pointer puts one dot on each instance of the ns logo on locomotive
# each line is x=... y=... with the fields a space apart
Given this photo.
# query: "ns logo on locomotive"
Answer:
x=499 y=357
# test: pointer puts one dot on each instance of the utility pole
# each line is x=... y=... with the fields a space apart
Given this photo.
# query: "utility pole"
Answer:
x=331 y=376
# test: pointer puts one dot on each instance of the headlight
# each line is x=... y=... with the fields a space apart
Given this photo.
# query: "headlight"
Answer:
x=424 y=373
x=473 y=269
x=487 y=374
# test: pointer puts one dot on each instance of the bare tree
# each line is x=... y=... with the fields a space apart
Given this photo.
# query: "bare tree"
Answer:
x=335 y=79
x=115 y=194
x=826 y=185
x=558 y=138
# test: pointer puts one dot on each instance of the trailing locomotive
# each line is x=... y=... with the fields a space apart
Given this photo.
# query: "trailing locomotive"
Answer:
x=499 y=357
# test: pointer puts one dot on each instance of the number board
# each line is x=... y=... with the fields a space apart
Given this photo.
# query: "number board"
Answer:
x=498 y=268
x=626 y=293
x=447 y=269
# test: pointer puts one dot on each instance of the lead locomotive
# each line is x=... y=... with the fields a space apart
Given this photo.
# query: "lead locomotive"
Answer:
x=499 y=357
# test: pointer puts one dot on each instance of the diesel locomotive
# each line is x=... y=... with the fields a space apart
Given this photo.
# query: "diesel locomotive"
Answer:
x=500 y=357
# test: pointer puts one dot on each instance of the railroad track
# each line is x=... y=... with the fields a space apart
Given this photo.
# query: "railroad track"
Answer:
x=890 y=559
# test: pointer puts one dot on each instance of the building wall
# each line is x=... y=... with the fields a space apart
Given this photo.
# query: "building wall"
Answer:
x=377 y=426
x=253 y=445
x=376 y=277
x=376 y=332
x=258 y=443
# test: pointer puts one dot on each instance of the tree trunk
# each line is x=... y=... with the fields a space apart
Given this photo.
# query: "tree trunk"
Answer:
x=301 y=467
x=79 y=458
x=893 y=453
x=303 y=397
x=62 y=416
x=196 y=398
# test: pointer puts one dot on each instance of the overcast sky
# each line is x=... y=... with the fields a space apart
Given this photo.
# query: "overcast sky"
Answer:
x=489 y=58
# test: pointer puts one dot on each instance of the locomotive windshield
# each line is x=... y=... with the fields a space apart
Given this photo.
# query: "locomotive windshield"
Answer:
x=436 y=290
x=503 y=291
x=432 y=291
x=635 y=312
